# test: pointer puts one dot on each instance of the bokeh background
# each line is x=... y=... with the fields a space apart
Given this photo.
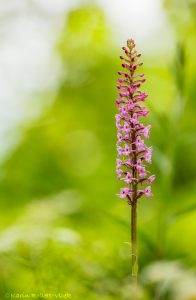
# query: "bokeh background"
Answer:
x=62 y=229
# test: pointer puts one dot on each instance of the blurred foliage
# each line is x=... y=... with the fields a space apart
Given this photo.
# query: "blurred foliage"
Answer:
x=62 y=228
x=183 y=16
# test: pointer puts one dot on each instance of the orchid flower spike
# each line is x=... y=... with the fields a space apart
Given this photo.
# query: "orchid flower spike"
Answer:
x=133 y=154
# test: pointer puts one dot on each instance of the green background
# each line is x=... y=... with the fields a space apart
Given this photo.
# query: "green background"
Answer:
x=62 y=227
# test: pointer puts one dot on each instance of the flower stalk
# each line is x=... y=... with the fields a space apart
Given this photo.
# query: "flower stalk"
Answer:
x=133 y=154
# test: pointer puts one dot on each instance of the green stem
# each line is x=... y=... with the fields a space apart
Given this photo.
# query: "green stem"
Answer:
x=134 y=264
